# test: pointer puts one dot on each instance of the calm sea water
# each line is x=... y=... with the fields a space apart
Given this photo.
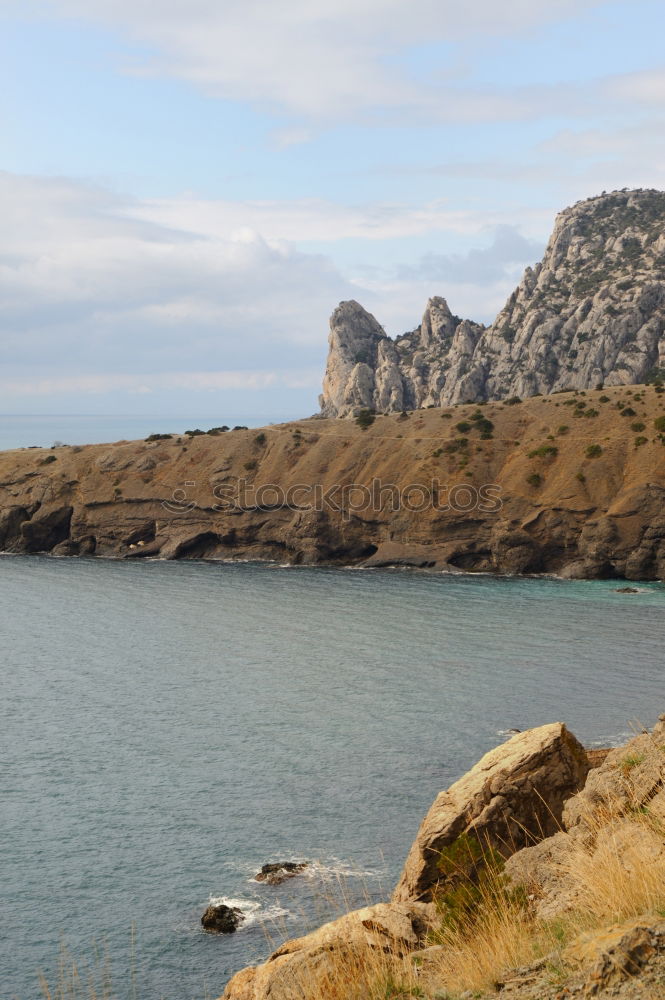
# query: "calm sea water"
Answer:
x=22 y=431
x=169 y=727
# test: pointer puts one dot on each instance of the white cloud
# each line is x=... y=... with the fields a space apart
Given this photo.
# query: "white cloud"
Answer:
x=108 y=294
x=158 y=382
x=646 y=88
x=326 y=58
x=85 y=287
x=610 y=156
x=508 y=254
x=313 y=219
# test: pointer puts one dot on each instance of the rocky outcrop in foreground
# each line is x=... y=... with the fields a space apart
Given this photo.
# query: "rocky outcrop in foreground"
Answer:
x=591 y=312
x=571 y=484
x=577 y=885
x=309 y=966
x=513 y=797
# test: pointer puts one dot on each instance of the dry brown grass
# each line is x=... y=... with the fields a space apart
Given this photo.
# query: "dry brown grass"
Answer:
x=615 y=873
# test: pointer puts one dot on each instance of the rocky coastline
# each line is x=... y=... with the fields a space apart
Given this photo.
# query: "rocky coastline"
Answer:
x=570 y=484
x=542 y=851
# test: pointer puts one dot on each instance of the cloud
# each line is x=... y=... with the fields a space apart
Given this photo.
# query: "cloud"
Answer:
x=646 y=88
x=313 y=219
x=509 y=250
x=611 y=156
x=158 y=382
x=86 y=288
x=108 y=294
x=324 y=59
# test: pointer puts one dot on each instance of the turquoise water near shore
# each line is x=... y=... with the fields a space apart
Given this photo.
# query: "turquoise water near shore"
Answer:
x=169 y=727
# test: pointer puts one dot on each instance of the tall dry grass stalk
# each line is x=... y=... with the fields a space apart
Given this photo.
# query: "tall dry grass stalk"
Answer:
x=614 y=872
x=80 y=980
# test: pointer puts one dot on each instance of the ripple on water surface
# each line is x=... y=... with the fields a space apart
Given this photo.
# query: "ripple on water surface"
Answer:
x=170 y=727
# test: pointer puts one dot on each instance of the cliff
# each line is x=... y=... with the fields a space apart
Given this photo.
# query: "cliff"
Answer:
x=591 y=312
x=569 y=483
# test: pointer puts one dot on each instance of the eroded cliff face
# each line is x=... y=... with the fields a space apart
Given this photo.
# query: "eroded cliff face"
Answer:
x=368 y=370
x=571 y=484
x=592 y=312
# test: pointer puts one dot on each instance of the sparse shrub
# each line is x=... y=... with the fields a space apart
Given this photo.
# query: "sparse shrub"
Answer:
x=637 y=426
x=251 y=465
x=535 y=479
x=48 y=460
x=437 y=453
x=463 y=426
x=240 y=427
x=590 y=413
x=593 y=451
x=513 y=401
x=459 y=444
x=194 y=433
x=628 y=411
x=215 y=431
x=405 y=416
x=639 y=441
x=604 y=399
x=580 y=477
x=544 y=451
x=365 y=419
x=484 y=425
x=562 y=429
x=659 y=423
x=159 y=437
x=260 y=439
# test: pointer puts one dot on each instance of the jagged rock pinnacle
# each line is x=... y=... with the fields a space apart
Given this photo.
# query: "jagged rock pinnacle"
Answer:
x=592 y=312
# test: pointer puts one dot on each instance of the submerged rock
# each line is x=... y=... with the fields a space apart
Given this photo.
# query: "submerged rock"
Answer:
x=626 y=590
x=222 y=919
x=278 y=872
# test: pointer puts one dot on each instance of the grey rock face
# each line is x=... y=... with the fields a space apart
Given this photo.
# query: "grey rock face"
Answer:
x=592 y=312
x=368 y=370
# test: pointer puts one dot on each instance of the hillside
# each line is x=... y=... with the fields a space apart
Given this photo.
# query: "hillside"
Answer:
x=591 y=312
x=571 y=483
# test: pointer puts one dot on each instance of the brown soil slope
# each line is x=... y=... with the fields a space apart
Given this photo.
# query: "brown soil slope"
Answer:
x=569 y=483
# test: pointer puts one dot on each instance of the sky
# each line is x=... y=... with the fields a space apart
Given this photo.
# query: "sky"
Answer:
x=189 y=187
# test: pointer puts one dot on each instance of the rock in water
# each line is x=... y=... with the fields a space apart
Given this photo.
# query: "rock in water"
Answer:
x=512 y=797
x=592 y=312
x=278 y=872
x=222 y=919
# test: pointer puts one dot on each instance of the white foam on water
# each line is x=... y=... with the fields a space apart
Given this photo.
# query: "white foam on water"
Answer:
x=335 y=868
x=253 y=911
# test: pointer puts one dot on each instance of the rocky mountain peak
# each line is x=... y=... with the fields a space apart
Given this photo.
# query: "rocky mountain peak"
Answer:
x=591 y=312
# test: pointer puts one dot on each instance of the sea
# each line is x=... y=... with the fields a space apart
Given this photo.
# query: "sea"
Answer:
x=169 y=727
x=44 y=430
